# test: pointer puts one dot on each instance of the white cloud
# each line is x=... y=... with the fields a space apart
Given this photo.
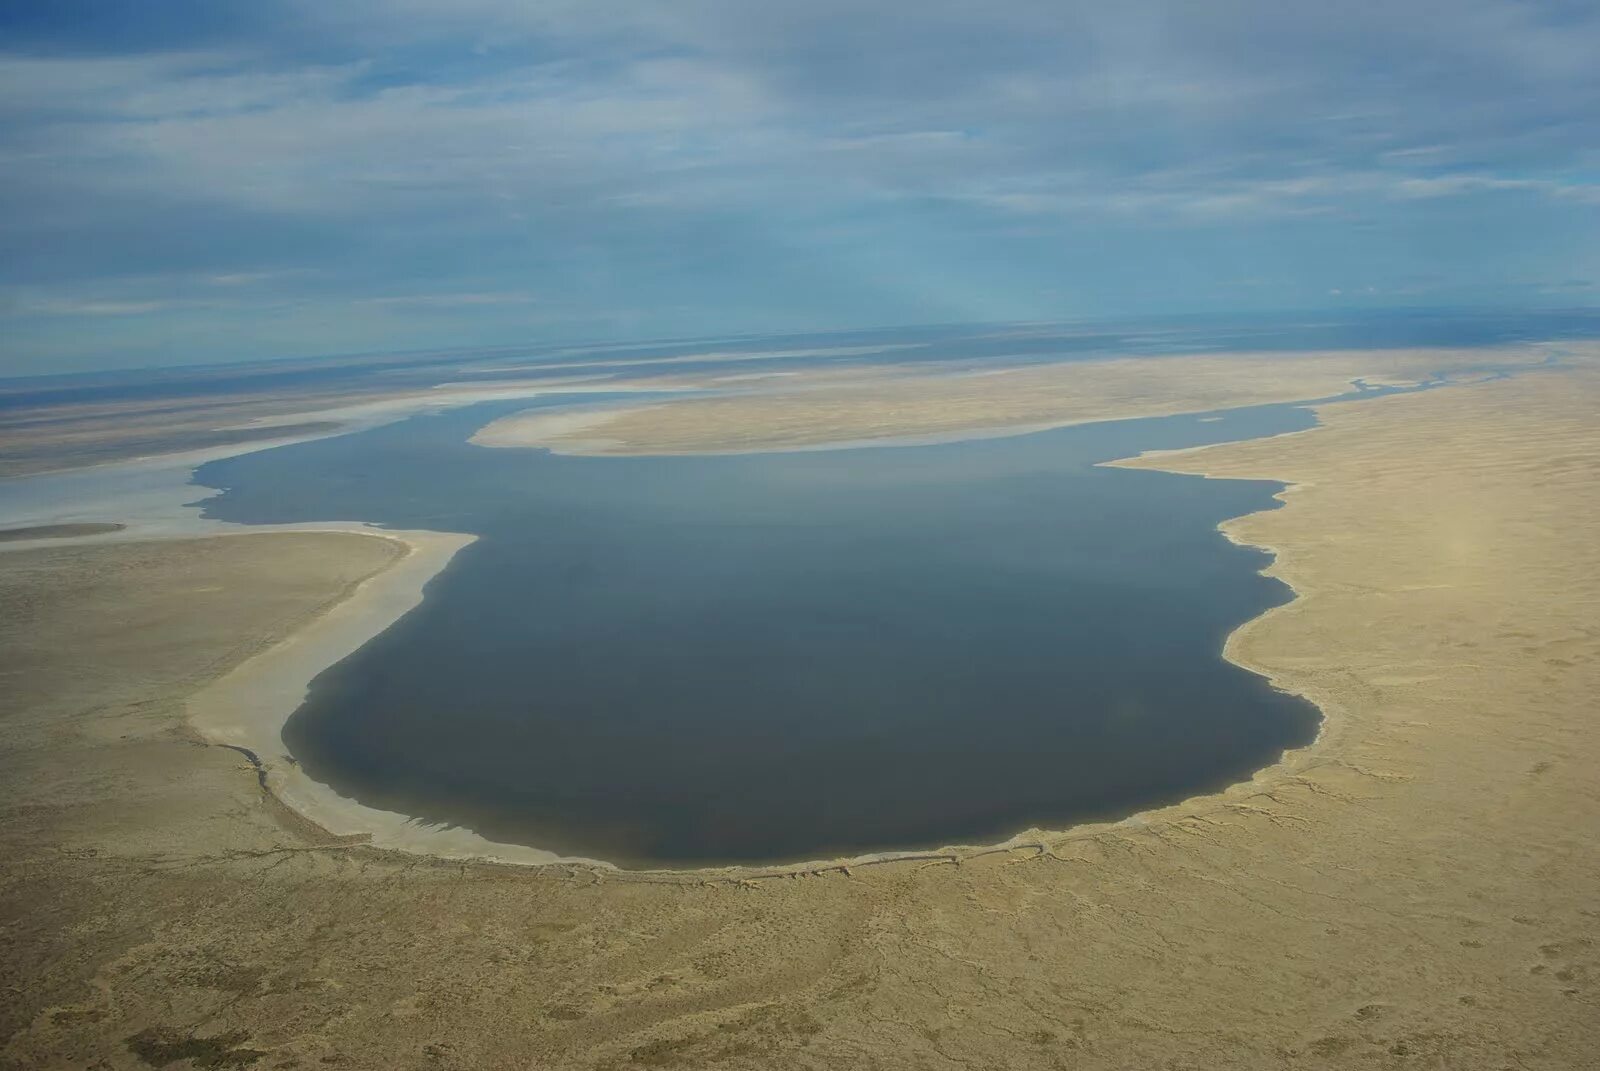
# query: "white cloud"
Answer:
x=450 y=300
x=427 y=151
x=72 y=307
x=650 y=108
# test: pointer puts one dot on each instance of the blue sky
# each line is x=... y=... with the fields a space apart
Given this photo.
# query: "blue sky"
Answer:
x=209 y=180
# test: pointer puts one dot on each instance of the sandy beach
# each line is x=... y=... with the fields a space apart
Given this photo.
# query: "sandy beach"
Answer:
x=247 y=707
x=1411 y=891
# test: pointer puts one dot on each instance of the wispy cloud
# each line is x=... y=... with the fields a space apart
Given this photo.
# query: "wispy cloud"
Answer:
x=31 y=302
x=450 y=301
x=1171 y=198
x=714 y=165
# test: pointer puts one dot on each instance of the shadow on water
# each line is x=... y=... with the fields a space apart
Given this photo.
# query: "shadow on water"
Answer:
x=752 y=658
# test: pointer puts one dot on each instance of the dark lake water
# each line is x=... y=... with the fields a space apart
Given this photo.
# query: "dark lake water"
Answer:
x=781 y=657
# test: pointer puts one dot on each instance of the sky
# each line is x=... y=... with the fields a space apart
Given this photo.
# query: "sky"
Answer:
x=190 y=181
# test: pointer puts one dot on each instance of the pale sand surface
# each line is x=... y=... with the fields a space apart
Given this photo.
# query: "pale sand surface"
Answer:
x=66 y=437
x=1415 y=890
x=912 y=404
x=248 y=706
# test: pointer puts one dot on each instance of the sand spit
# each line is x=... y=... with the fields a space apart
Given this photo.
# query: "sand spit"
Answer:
x=913 y=405
x=109 y=435
x=151 y=496
x=565 y=427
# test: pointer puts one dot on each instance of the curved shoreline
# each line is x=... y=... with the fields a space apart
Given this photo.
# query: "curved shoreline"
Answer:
x=1414 y=890
x=249 y=705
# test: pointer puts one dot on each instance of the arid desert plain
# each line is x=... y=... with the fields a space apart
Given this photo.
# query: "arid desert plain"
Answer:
x=1418 y=888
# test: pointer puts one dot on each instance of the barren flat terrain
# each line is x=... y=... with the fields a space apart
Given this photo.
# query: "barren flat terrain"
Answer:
x=1414 y=890
x=914 y=402
x=56 y=531
x=50 y=433
x=87 y=435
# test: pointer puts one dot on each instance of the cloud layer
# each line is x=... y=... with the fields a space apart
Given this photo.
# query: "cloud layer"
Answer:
x=188 y=182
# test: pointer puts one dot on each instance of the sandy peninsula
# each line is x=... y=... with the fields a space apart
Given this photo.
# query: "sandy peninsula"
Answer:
x=913 y=404
x=1414 y=890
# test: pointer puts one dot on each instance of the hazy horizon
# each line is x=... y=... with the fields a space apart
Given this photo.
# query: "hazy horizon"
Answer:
x=1453 y=326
